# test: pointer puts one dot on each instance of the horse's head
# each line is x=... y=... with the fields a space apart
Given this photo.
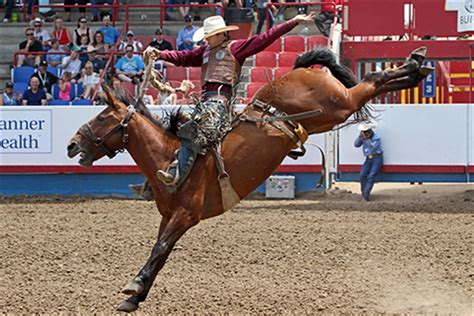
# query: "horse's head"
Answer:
x=105 y=134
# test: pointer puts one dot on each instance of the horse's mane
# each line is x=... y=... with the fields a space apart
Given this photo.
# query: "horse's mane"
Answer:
x=324 y=56
x=171 y=120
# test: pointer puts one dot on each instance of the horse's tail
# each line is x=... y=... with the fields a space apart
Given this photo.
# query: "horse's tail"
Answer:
x=325 y=57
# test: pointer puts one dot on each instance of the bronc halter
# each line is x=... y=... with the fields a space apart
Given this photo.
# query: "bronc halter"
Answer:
x=87 y=132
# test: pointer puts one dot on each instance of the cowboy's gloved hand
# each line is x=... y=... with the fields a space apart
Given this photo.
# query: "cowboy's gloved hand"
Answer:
x=305 y=17
x=150 y=54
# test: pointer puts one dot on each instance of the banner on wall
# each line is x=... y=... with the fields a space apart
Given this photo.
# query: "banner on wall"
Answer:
x=23 y=132
x=465 y=9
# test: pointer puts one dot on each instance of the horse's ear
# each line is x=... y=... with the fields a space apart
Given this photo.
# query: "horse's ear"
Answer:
x=109 y=96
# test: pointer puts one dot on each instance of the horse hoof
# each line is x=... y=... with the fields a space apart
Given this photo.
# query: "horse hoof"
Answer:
x=425 y=71
x=134 y=287
x=419 y=54
x=127 y=306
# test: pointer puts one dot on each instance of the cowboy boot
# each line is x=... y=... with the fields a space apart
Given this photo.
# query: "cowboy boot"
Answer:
x=144 y=190
x=179 y=169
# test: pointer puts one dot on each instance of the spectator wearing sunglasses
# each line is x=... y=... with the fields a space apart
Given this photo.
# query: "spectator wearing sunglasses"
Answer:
x=89 y=79
x=42 y=35
x=130 y=67
x=80 y=30
x=30 y=44
x=137 y=45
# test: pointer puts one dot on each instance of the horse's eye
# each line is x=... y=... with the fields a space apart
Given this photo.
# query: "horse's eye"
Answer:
x=100 y=118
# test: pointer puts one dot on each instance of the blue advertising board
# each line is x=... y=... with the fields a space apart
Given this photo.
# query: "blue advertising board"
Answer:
x=429 y=83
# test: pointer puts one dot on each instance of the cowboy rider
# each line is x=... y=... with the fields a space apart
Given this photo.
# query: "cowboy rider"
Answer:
x=221 y=60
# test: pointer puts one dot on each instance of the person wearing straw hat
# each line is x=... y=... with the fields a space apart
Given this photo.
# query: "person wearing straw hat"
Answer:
x=221 y=60
x=372 y=150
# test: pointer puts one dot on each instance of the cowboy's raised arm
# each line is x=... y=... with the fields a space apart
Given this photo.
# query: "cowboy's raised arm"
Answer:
x=186 y=58
x=241 y=49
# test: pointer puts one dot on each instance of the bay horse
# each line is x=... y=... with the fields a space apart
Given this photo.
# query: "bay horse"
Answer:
x=251 y=151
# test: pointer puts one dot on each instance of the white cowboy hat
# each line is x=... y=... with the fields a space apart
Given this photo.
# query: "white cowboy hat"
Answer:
x=212 y=25
x=365 y=126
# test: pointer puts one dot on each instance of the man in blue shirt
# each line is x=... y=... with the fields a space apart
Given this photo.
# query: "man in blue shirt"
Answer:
x=184 y=41
x=34 y=95
x=372 y=150
x=111 y=35
x=130 y=68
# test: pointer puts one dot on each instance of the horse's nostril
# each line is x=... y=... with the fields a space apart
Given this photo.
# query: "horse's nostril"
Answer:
x=71 y=146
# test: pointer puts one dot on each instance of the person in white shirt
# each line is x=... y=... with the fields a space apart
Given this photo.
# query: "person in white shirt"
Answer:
x=137 y=45
x=41 y=34
x=89 y=79
x=72 y=63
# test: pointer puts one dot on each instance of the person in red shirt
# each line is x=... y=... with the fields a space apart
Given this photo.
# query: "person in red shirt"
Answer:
x=221 y=60
x=326 y=17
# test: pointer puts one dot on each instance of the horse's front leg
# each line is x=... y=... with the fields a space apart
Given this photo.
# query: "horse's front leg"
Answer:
x=170 y=232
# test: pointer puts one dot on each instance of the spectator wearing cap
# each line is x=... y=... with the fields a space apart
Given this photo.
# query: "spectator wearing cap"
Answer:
x=185 y=34
x=130 y=67
x=159 y=41
x=55 y=60
x=42 y=35
x=72 y=63
x=61 y=33
x=111 y=35
x=372 y=150
x=46 y=79
x=97 y=63
x=137 y=45
x=80 y=30
x=8 y=97
x=34 y=95
x=29 y=45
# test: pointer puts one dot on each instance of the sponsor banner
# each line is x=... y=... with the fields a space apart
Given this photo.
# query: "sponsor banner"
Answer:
x=25 y=144
x=25 y=132
x=465 y=9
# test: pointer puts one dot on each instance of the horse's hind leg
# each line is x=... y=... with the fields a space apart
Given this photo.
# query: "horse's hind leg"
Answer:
x=409 y=68
x=373 y=82
x=178 y=224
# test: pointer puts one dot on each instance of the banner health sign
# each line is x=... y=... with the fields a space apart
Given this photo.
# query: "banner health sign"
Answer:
x=25 y=132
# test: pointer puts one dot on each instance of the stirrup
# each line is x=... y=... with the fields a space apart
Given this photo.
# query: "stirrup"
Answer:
x=166 y=177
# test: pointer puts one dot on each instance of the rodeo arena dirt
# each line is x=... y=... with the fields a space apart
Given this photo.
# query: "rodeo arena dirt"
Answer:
x=407 y=251
x=217 y=135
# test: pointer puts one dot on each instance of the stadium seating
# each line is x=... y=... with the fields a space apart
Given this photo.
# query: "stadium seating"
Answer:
x=55 y=91
x=261 y=74
x=20 y=87
x=194 y=73
x=287 y=59
x=294 y=43
x=53 y=70
x=175 y=73
x=197 y=85
x=253 y=87
x=22 y=74
x=130 y=87
x=280 y=71
x=81 y=102
x=265 y=59
x=316 y=41
x=79 y=89
x=274 y=47
x=57 y=102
